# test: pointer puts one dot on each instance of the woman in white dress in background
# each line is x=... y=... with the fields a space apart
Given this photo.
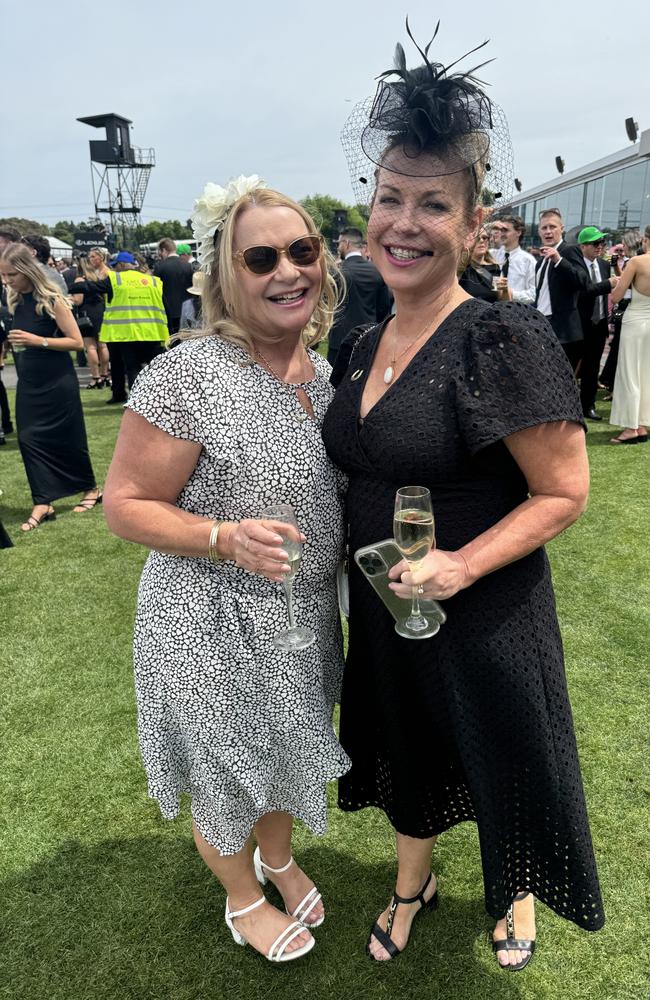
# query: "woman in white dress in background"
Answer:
x=631 y=399
x=218 y=429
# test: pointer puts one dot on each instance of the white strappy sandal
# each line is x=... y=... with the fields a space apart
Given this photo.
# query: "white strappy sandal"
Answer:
x=305 y=906
x=276 y=952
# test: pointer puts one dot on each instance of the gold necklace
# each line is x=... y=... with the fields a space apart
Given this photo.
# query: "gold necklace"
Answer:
x=289 y=385
x=273 y=371
x=389 y=373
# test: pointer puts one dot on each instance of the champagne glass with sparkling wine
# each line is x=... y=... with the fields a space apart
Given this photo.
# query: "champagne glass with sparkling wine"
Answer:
x=414 y=535
x=296 y=636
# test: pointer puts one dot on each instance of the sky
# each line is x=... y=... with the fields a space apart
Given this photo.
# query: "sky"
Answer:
x=265 y=87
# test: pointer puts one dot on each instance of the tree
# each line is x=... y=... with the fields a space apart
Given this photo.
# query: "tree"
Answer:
x=151 y=232
x=25 y=226
x=322 y=208
x=63 y=231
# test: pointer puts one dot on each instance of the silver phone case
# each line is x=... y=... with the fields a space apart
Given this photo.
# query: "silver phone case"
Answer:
x=375 y=561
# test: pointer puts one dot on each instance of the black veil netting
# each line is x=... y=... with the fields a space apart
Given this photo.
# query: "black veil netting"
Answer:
x=428 y=110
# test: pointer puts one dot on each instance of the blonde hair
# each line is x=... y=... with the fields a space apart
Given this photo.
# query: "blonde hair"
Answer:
x=632 y=241
x=223 y=312
x=102 y=251
x=88 y=272
x=47 y=294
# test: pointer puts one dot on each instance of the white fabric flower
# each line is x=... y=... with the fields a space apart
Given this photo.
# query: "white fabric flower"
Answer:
x=211 y=210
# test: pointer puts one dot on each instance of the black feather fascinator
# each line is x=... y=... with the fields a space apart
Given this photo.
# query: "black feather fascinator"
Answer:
x=430 y=110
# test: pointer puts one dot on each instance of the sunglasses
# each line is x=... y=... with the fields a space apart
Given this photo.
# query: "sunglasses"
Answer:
x=263 y=260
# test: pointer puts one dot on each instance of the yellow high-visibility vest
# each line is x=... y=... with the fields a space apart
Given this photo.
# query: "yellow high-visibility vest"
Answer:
x=136 y=311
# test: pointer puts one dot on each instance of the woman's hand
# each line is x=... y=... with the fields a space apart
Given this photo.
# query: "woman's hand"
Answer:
x=440 y=575
x=257 y=546
x=20 y=338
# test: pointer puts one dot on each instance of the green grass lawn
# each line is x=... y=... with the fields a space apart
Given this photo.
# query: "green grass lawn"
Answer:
x=102 y=900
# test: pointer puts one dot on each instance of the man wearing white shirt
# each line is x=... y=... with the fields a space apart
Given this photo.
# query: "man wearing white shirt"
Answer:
x=593 y=310
x=516 y=265
x=558 y=283
x=367 y=299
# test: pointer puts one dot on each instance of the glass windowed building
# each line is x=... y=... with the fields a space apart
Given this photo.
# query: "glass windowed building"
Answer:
x=612 y=193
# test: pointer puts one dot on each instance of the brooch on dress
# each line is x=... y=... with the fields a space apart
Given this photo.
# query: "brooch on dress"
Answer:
x=355 y=375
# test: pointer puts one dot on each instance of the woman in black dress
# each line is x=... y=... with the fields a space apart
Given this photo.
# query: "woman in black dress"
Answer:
x=91 y=302
x=477 y=277
x=49 y=418
x=476 y=402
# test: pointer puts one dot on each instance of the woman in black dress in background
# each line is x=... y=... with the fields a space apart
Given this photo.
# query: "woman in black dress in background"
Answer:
x=49 y=418
x=92 y=304
x=476 y=278
x=476 y=402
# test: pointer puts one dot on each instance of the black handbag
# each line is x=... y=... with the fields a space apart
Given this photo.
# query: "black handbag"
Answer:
x=84 y=321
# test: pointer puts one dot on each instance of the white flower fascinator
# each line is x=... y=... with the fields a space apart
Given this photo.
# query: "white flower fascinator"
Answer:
x=211 y=210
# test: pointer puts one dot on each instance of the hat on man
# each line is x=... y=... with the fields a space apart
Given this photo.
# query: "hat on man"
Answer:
x=183 y=248
x=123 y=257
x=197 y=283
x=591 y=234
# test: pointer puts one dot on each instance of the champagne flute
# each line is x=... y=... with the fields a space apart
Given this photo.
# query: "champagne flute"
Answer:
x=413 y=529
x=296 y=636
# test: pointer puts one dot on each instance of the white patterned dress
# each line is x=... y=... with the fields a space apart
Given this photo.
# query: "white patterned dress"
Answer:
x=244 y=728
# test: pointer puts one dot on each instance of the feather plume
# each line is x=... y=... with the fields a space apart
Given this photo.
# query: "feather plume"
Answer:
x=427 y=106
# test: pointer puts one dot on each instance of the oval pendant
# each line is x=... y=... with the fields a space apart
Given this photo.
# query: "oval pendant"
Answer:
x=388 y=375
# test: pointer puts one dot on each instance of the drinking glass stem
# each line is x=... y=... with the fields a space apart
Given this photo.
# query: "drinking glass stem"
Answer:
x=288 y=593
x=415 y=604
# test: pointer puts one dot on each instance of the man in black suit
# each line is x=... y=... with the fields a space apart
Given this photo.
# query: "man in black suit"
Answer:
x=176 y=277
x=367 y=299
x=593 y=311
x=558 y=282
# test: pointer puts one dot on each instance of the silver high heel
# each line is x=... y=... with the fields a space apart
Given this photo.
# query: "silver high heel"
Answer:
x=305 y=906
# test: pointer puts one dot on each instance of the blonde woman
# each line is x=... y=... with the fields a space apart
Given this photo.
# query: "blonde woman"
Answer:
x=215 y=431
x=98 y=260
x=49 y=418
x=92 y=303
x=631 y=398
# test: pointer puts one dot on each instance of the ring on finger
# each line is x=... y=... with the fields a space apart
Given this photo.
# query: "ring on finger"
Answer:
x=420 y=590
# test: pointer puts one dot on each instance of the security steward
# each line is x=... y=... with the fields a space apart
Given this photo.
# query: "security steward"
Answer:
x=135 y=323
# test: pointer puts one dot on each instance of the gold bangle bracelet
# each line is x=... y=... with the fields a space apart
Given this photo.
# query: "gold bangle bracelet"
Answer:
x=213 y=554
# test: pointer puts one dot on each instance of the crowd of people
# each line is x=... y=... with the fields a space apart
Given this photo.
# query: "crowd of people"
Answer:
x=117 y=310
x=454 y=358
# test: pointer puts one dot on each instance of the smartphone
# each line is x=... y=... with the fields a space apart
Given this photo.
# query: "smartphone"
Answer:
x=375 y=561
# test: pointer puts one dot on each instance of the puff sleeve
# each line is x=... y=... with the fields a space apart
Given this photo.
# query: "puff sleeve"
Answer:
x=515 y=375
x=168 y=393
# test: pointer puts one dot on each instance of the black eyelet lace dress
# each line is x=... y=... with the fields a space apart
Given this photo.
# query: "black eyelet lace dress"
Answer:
x=474 y=723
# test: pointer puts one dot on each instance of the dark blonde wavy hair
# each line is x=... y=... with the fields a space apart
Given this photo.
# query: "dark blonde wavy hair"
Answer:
x=47 y=294
x=223 y=313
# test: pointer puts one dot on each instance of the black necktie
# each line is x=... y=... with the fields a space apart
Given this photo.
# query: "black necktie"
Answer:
x=540 y=277
x=505 y=265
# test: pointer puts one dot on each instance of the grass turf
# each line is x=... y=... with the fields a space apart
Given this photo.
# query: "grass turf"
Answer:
x=103 y=900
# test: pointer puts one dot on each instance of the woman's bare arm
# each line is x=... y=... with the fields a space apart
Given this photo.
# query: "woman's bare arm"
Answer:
x=149 y=470
x=625 y=280
x=553 y=458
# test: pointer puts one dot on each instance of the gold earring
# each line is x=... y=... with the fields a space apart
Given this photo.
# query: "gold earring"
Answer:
x=465 y=258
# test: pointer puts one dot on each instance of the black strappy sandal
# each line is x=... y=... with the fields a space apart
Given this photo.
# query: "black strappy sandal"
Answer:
x=36 y=522
x=88 y=503
x=383 y=936
x=511 y=943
